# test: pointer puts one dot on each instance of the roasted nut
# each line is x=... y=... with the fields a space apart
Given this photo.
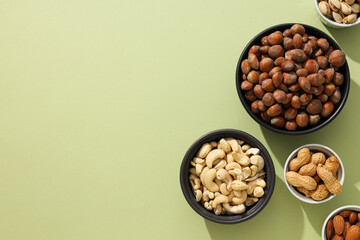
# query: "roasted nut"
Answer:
x=278 y=121
x=290 y=113
x=264 y=49
x=263 y=76
x=335 y=98
x=294 y=87
x=297 y=55
x=339 y=79
x=265 y=116
x=291 y=125
x=290 y=78
x=302 y=72
x=295 y=102
x=277 y=79
x=288 y=66
x=266 y=64
x=245 y=66
x=305 y=99
x=323 y=44
x=327 y=109
x=337 y=16
x=261 y=106
x=274 y=110
x=254 y=107
x=317 y=90
x=255 y=50
x=337 y=58
x=322 y=62
x=314 y=119
x=297 y=28
x=314 y=107
x=268 y=85
x=324 y=8
x=288 y=100
x=317 y=52
x=313 y=44
x=276 y=51
x=253 y=76
x=302 y=119
x=329 y=89
x=275 y=39
x=307 y=49
x=283 y=87
x=297 y=41
x=312 y=66
x=316 y=79
x=305 y=84
x=258 y=91
x=246 y=85
x=323 y=97
x=274 y=70
x=345 y=8
x=287 y=33
x=268 y=99
x=265 y=41
x=253 y=61
x=328 y=52
x=287 y=43
x=350 y=18
x=279 y=61
x=280 y=96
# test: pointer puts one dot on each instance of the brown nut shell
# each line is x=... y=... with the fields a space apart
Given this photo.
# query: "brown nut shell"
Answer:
x=259 y=91
x=339 y=79
x=268 y=85
x=305 y=84
x=280 y=96
x=278 y=121
x=274 y=110
x=279 y=61
x=255 y=49
x=297 y=41
x=314 y=107
x=297 y=28
x=302 y=72
x=290 y=113
x=266 y=64
x=298 y=55
x=246 y=85
x=288 y=66
x=268 y=99
x=290 y=78
x=327 y=109
x=336 y=97
x=316 y=79
x=250 y=96
x=253 y=76
x=276 y=51
x=302 y=120
x=323 y=44
x=291 y=125
x=295 y=102
x=253 y=61
x=322 y=62
x=329 y=89
x=245 y=66
x=312 y=66
x=277 y=79
x=337 y=58
x=275 y=38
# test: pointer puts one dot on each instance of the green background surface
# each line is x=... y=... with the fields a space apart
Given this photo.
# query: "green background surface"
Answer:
x=100 y=99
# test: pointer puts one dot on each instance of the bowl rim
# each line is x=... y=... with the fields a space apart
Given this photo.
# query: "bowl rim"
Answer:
x=291 y=188
x=227 y=219
x=257 y=118
x=337 y=210
x=341 y=25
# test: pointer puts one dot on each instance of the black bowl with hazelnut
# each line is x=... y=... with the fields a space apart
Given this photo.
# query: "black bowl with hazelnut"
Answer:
x=293 y=78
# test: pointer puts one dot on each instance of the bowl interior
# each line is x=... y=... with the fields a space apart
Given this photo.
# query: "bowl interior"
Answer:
x=314 y=148
x=334 y=213
x=188 y=190
x=344 y=89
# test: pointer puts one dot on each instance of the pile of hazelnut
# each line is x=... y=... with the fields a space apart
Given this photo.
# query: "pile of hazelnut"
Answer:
x=292 y=79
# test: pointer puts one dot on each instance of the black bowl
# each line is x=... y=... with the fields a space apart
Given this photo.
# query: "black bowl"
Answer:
x=187 y=189
x=344 y=89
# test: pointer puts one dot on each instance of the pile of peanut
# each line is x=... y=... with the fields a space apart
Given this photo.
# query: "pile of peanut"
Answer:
x=345 y=225
x=314 y=175
x=227 y=176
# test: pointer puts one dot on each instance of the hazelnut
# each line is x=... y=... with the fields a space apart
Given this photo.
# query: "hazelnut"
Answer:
x=328 y=52
x=307 y=49
x=297 y=41
x=329 y=75
x=253 y=61
x=314 y=107
x=304 y=84
x=280 y=96
x=266 y=64
x=244 y=76
x=253 y=76
x=265 y=41
x=288 y=45
x=283 y=87
x=327 y=109
x=305 y=99
x=274 y=70
x=312 y=66
x=295 y=102
x=329 y=89
x=268 y=85
x=263 y=76
x=276 y=51
x=339 y=79
x=335 y=98
x=277 y=79
x=294 y=87
x=265 y=116
x=264 y=49
x=302 y=72
x=279 y=61
x=278 y=121
x=305 y=37
x=291 y=125
x=246 y=85
x=323 y=98
x=337 y=58
x=254 y=107
x=302 y=119
x=314 y=119
x=316 y=79
x=274 y=110
x=290 y=113
x=259 y=91
x=297 y=28
x=317 y=90
x=287 y=33
x=255 y=49
x=290 y=78
x=288 y=66
x=245 y=67
x=323 y=44
x=275 y=39
x=297 y=55
x=268 y=99
x=313 y=44
x=250 y=96
x=261 y=106
x=288 y=100
x=322 y=62
x=288 y=55
x=317 y=52
x=322 y=73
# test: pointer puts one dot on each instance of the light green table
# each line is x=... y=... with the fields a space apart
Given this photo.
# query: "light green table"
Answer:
x=100 y=99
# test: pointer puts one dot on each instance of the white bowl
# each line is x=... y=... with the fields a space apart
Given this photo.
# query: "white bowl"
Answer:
x=331 y=23
x=314 y=148
x=335 y=212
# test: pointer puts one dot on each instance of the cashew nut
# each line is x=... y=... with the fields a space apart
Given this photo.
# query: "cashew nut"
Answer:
x=202 y=174
x=218 y=209
x=213 y=144
x=239 y=173
x=208 y=206
x=254 y=170
x=209 y=180
x=195 y=181
x=245 y=147
x=204 y=150
x=199 y=167
x=233 y=174
x=192 y=170
x=214 y=155
x=233 y=144
x=231 y=196
x=252 y=178
x=252 y=151
x=207 y=195
x=229 y=158
x=250 y=201
x=221 y=164
x=234 y=209
x=258 y=192
x=239 y=185
x=261 y=174
x=223 y=175
x=240 y=142
x=193 y=163
x=198 y=160
x=247 y=172
x=252 y=184
x=224 y=145
x=224 y=190
x=258 y=161
x=198 y=195
x=219 y=199
x=241 y=158
x=241 y=199
x=232 y=165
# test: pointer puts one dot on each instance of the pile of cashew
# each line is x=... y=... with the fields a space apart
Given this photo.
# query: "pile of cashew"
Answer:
x=227 y=176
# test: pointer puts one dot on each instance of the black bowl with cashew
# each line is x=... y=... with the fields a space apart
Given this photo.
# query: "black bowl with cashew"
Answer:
x=227 y=176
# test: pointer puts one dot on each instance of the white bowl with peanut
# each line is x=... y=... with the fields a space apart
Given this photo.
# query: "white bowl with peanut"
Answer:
x=314 y=173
